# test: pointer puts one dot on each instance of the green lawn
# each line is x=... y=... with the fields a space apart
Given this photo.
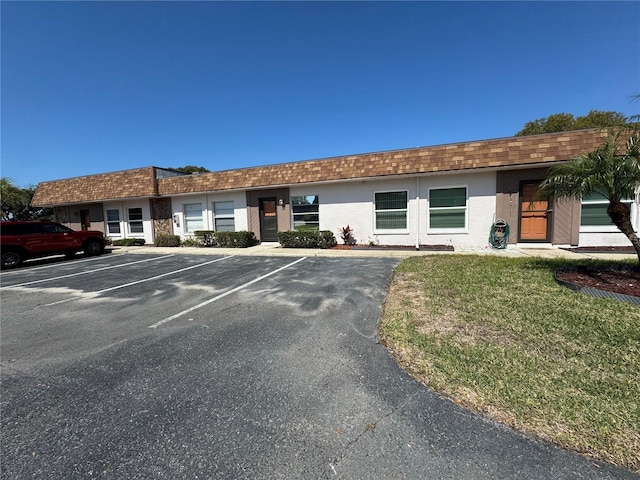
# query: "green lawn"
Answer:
x=499 y=336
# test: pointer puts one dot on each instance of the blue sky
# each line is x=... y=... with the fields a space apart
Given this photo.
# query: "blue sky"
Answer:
x=92 y=87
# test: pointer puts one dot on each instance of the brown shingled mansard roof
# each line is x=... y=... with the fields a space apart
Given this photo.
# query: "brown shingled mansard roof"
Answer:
x=500 y=153
x=139 y=182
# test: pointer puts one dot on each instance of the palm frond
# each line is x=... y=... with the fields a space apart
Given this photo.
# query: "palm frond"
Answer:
x=610 y=170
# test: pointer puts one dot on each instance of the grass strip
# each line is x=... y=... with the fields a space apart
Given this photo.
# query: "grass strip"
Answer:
x=500 y=336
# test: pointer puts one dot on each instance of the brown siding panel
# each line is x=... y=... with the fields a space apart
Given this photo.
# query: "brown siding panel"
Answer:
x=162 y=216
x=253 y=207
x=564 y=222
x=507 y=196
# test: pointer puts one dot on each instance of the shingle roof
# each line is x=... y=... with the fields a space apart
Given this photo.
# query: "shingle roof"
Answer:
x=504 y=152
x=140 y=182
x=496 y=153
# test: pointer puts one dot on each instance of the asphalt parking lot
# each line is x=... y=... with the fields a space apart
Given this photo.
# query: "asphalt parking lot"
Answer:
x=230 y=367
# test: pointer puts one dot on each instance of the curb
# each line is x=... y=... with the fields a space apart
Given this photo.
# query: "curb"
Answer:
x=596 y=292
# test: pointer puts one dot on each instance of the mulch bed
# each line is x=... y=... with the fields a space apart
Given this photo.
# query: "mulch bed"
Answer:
x=602 y=249
x=427 y=248
x=625 y=281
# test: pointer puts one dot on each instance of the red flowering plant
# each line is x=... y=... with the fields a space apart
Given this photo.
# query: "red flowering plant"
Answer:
x=346 y=233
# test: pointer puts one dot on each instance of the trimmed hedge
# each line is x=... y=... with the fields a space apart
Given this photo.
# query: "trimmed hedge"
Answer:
x=242 y=239
x=206 y=238
x=165 y=240
x=128 y=242
x=307 y=239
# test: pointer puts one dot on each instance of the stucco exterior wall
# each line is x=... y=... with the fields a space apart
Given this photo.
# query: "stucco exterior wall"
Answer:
x=609 y=236
x=207 y=200
x=352 y=203
x=481 y=208
x=125 y=230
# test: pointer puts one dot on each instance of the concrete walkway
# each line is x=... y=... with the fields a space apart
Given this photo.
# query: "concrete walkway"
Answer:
x=275 y=249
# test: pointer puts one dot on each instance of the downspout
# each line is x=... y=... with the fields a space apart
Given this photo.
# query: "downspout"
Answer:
x=207 y=224
x=417 y=213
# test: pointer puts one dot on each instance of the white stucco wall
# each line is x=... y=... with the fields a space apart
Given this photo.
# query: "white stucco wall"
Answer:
x=239 y=200
x=481 y=207
x=352 y=203
x=123 y=210
x=592 y=239
x=609 y=236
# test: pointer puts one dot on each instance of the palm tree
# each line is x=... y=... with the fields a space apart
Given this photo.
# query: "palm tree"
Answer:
x=12 y=199
x=611 y=170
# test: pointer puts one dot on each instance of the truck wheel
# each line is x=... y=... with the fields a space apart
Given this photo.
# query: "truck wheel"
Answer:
x=93 y=247
x=11 y=259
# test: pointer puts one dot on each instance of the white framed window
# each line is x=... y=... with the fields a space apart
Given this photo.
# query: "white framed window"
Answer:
x=391 y=211
x=113 y=221
x=305 y=211
x=594 y=216
x=224 y=217
x=448 y=210
x=193 y=217
x=135 y=220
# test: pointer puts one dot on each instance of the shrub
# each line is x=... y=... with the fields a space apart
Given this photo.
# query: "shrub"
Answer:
x=191 y=242
x=307 y=239
x=128 y=242
x=346 y=233
x=242 y=239
x=166 y=240
x=207 y=238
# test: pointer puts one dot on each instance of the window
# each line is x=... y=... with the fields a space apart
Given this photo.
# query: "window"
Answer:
x=448 y=208
x=135 y=220
x=113 y=222
x=391 y=210
x=306 y=212
x=55 y=228
x=593 y=215
x=193 y=217
x=224 y=217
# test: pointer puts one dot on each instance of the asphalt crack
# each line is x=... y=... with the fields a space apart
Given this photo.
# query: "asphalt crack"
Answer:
x=370 y=427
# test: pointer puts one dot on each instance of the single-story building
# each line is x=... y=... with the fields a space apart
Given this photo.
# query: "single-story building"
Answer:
x=438 y=195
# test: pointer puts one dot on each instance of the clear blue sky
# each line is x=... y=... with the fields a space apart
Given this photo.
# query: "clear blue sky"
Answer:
x=92 y=87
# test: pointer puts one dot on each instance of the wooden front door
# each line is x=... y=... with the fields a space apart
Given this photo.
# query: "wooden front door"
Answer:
x=534 y=216
x=268 y=220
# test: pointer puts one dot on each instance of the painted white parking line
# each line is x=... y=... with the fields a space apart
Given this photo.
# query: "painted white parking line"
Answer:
x=7 y=273
x=222 y=295
x=83 y=273
x=110 y=289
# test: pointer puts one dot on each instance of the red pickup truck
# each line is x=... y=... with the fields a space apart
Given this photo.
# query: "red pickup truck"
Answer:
x=20 y=240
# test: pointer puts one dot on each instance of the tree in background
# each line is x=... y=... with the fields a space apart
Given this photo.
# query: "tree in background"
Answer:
x=562 y=122
x=16 y=202
x=612 y=170
x=190 y=169
x=634 y=119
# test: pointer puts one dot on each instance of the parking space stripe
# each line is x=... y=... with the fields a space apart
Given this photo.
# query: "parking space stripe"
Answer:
x=222 y=295
x=83 y=273
x=110 y=289
x=44 y=267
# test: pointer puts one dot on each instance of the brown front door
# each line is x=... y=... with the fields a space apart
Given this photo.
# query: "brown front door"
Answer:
x=534 y=216
x=268 y=220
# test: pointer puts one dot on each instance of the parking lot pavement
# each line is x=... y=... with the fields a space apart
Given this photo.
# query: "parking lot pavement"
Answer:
x=176 y=366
